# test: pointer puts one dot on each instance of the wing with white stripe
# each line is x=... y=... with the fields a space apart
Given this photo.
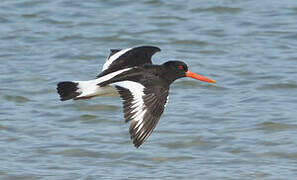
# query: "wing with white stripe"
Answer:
x=143 y=106
x=115 y=54
x=125 y=58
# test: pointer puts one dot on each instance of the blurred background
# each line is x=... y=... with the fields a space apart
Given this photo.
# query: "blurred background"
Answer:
x=243 y=127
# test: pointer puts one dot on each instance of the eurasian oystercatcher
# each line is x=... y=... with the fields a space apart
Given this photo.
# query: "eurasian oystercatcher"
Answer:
x=143 y=86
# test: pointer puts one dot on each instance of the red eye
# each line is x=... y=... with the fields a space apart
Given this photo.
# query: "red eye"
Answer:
x=180 y=67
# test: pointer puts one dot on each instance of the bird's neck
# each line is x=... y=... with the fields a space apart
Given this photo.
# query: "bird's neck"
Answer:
x=163 y=72
x=168 y=75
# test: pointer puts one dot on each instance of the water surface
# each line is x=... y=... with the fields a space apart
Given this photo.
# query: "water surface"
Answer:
x=243 y=127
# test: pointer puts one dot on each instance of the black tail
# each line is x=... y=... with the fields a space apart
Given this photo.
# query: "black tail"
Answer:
x=67 y=90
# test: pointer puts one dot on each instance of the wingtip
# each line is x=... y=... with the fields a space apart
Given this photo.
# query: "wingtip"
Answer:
x=136 y=146
x=154 y=49
x=158 y=49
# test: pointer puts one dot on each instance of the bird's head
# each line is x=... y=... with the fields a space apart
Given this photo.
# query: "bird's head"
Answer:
x=178 y=69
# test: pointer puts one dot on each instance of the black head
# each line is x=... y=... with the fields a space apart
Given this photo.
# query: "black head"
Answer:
x=175 y=70
x=178 y=69
x=176 y=65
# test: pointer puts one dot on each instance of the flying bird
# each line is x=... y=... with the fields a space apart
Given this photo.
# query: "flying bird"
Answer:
x=143 y=86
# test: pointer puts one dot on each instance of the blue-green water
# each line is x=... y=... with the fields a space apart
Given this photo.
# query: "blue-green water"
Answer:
x=243 y=127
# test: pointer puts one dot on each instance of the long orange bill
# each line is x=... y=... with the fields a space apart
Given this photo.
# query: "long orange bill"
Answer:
x=199 y=77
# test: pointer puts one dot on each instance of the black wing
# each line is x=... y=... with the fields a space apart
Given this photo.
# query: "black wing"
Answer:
x=113 y=51
x=144 y=113
x=125 y=58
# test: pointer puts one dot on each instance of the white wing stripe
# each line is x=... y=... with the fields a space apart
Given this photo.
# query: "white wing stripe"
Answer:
x=110 y=75
x=135 y=88
x=139 y=114
x=140 y=123
x=138 y=106
x=113 y=58
x=139 y=128
x=167 y=98
x=89 y=88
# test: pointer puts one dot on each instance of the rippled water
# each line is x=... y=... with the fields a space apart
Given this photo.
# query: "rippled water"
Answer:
x=243 y=127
